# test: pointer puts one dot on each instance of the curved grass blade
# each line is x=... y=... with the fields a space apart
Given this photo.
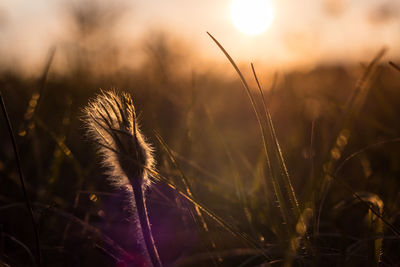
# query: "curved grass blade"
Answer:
x=353 y=155
x=278 y=150
x=21 y=244
x=285 y=212
x=299 y=215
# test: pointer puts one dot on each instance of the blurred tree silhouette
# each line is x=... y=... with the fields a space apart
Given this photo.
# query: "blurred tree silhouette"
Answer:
x=91 y=44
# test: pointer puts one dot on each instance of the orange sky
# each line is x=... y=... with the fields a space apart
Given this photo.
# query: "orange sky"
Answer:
x=303 y=33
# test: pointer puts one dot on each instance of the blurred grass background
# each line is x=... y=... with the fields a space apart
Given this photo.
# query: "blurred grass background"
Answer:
x=204 y=116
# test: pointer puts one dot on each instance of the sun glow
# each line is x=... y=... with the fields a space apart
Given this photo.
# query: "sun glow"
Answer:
x=252 y=17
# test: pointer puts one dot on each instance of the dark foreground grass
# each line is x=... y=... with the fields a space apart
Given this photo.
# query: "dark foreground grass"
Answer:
x=305 y=174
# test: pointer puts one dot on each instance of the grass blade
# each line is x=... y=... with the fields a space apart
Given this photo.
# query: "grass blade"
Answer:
x=236 y=175
x=225 y=225
x=187 y=186
x=278 y=150
x=285 y=212
x=353 y=155
x=300 y=216
x=21 y=177
x=353 y=106
x=394 y=65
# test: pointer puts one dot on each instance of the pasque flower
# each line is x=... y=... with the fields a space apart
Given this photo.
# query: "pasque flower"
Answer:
x=111 y=123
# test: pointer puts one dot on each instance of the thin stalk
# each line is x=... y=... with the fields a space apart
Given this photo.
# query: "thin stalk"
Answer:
x=224 y=224
x=144 y=222
x=394 y=65
x=43 y=78
x=21 y=177
x=111 y=121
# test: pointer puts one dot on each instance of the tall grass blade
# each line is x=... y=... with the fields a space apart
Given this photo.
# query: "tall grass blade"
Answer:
x=288 y=184
x=285 y=212
x=357 y=98
x=352 y=108
x=21 y=177
x=45 y=74
x=300 y=216
x=37 y=97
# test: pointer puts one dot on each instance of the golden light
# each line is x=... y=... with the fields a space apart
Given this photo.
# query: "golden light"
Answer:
x=252 y=16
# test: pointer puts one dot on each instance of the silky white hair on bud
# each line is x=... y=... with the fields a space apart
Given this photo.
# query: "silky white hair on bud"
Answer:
x=111 y=122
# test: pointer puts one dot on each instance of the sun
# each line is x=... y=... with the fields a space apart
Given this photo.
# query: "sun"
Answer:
x=252 y=17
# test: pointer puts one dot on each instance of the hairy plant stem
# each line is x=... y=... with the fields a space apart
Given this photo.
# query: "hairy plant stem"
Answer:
x=144 y=222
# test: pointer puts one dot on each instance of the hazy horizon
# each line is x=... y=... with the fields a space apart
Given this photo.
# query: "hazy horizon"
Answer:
x=301 y=35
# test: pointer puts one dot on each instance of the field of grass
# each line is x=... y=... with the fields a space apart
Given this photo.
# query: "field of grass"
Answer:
x=304 y=171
